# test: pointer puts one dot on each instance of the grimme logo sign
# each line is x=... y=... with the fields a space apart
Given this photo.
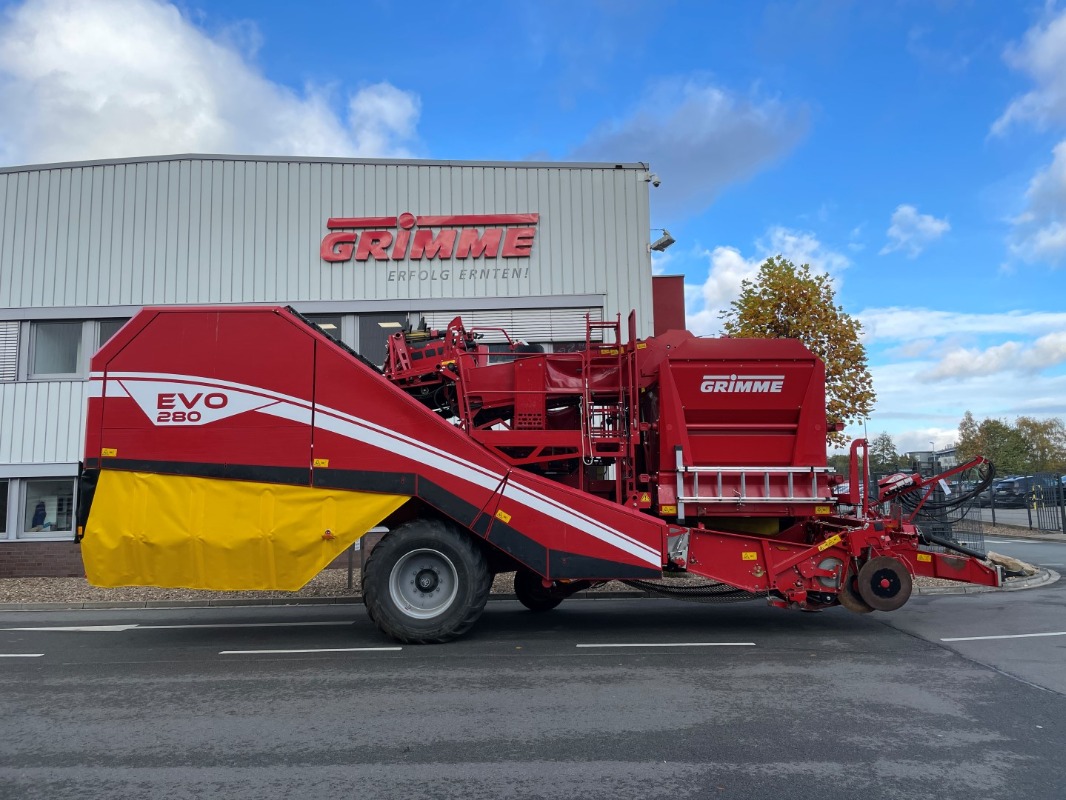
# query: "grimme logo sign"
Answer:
x=742 y=384
x=466 y=237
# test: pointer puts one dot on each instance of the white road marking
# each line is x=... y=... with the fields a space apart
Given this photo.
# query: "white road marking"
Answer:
x=1008 y=636
x=120 y=628
x=319 y=650
x=80 y=628
x=21 y=655
x=672 y=644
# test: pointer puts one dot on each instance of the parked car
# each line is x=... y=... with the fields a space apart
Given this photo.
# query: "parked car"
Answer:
x=984 y=499
x=1014 y=492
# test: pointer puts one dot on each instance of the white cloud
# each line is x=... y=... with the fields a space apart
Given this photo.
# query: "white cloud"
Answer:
x=728 y=268
x=1042 y=54
x=117 y=78
x=698 y=138
x=1040 y=230
x=913 y=232
x=911 y=324
x=1047 y=351
x=1039 y=233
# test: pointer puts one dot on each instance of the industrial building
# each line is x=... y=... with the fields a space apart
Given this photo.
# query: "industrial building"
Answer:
x=361 y=247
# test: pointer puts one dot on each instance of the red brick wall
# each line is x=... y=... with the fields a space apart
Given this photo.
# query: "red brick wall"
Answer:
x=40 y=559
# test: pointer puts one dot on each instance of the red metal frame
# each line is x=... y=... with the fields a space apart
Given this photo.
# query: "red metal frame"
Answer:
x=579 y=466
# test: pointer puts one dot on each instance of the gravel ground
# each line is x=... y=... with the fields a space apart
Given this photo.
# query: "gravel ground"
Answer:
x=330 y=583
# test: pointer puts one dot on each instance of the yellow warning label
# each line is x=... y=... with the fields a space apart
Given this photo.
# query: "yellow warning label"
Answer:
x=832 y=540
x=642 y=345
x=668 y=509
x=924 y=557
x=749 y=555
x=320 y=462
x=503 y=516
x=108 y=452
x=645 y=498
x=612 y=351
x=823 y=509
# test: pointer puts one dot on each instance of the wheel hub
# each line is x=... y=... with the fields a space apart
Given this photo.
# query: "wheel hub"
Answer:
x=427 y=580
x=424 y=583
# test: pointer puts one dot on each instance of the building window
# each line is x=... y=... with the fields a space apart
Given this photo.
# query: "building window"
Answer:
x=106 y=328
x=9 y=350
x=49 y=506
x=328 y=323
x=374 y=332
x=56 y=348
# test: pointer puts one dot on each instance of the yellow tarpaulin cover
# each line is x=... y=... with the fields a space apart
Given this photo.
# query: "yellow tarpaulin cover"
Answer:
x=200 y=533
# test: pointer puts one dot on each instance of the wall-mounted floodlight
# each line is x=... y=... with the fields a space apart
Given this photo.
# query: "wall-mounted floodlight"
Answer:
x=664 y=241
x=389 y=325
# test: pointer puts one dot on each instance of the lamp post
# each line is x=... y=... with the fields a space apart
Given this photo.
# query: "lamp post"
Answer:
x=932 y=459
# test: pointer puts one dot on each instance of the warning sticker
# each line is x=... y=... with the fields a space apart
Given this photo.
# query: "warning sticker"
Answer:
x=503 y=516
x=924 y=557
x=645 y=498
x=668 y=509
x=823 y=510
x=320 y=462
x=749 y=555
x=832 y=540
x=108 y=452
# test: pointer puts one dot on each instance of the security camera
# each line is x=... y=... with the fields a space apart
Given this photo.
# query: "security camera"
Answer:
x=662 y=242
x=655 y=180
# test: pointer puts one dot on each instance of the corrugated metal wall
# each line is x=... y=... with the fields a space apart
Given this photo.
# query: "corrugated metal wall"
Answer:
x=232 y=230
x=42 y=422
x=193 y=230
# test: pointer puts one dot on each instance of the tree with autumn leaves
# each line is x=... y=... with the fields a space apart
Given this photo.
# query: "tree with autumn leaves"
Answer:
x=1029 y=445
x=786 y=301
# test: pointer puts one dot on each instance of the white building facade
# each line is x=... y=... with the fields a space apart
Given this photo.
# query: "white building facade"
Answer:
x=355 y=245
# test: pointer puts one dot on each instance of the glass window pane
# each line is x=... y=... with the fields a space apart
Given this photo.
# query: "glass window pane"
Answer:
x=330 y=323
x=56 y=348
x=3 y=509
x=108 y=328
x=374 y=331
x=49 y=505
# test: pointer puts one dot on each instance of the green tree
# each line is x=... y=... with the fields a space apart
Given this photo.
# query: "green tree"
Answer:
x=840 y=462
x=1045 y=442
x=883 y=455
x=1003 y=445
x=786 y=301
x=967 y=445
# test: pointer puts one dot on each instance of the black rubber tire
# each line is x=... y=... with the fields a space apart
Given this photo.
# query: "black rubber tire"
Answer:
x=849 y=597
x=461 y=562
x=531 y=592
x=884 y=583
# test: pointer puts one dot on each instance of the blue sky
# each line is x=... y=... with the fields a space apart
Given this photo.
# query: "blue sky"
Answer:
x=915 y=150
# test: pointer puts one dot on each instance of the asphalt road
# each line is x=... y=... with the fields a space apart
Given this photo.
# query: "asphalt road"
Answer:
x=1021 y=517
x=604 y=698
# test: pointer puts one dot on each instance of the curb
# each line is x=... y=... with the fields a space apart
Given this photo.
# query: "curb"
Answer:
x=236 y=602
x=1045 y=577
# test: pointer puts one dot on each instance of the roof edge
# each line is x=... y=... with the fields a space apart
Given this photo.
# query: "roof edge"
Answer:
x=324 y=160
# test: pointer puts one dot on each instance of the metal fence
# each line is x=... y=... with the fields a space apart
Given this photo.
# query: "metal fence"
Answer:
x=960 y=524
x=1042 y=507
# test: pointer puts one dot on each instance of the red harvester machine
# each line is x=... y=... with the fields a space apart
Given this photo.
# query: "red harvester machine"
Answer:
x=243 y=448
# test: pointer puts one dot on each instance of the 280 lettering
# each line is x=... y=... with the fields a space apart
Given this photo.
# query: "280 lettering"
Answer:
x=179 y=407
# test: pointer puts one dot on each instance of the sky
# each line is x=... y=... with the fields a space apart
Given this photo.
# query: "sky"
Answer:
x=915 y=150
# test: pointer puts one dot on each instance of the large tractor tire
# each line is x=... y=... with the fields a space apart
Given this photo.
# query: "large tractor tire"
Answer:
x=425 y=582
